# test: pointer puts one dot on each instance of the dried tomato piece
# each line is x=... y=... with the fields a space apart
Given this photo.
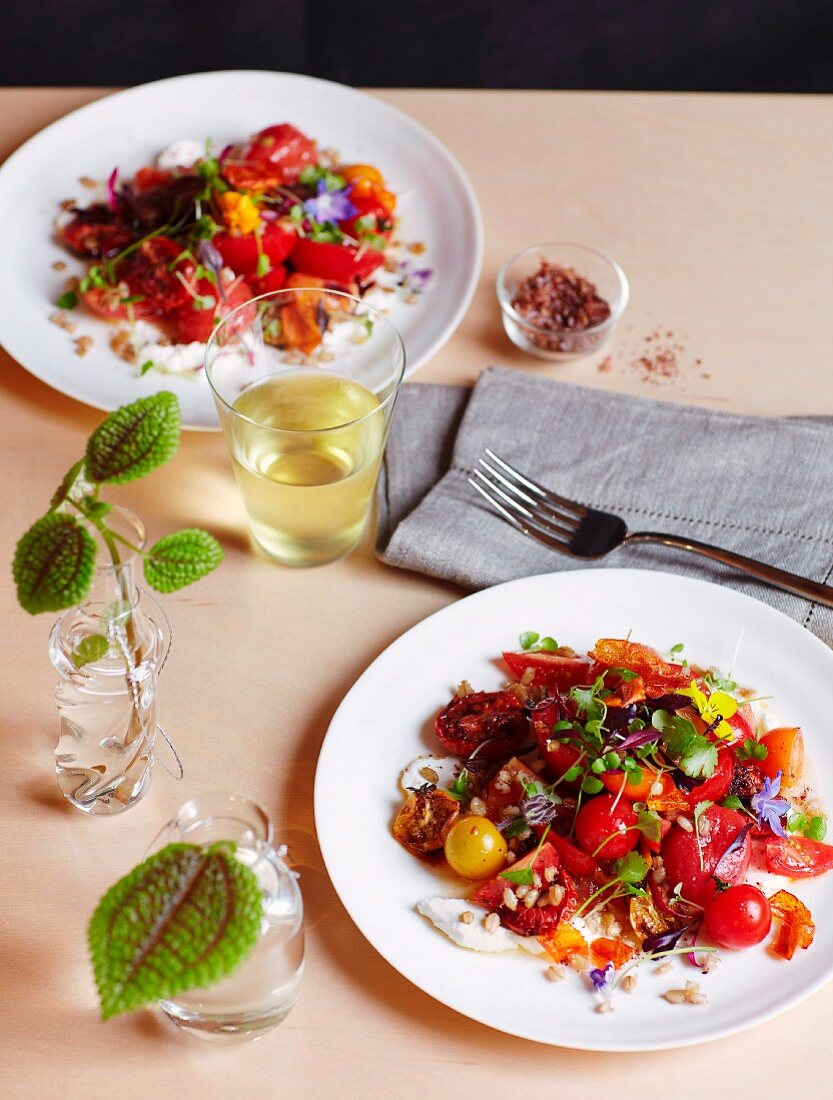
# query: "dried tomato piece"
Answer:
x=564 y=943
x=644 y=661
x=797 y=928
x=604 y=951
x=647 y=920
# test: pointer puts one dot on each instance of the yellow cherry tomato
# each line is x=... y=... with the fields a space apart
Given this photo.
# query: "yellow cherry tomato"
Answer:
x=785 y=754
x=353 y=172
x=474 y=848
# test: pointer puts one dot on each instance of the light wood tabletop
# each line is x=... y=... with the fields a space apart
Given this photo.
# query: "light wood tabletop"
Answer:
x=720 y=209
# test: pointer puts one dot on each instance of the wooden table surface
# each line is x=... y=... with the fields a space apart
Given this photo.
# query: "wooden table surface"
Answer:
x=720 y=209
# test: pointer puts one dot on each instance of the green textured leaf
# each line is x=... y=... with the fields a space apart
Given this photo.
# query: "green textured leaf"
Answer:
x=53 y=564
x=134 y=439
x=91 y=648
x=181 y=558
x=185 y=918
x=64 y=490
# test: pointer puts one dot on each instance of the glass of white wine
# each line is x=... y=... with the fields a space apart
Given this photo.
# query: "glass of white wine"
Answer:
x=305 y=381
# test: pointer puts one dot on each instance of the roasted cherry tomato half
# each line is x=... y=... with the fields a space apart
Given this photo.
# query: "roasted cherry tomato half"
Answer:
x=606 y=827
x=338 y=262
x=784 y=753
x=738 y=917
x=276 y=155
x=494 y=719
x=535 y=920
x=96 y=232
x=798 y=856
x=641 y=790
x=551 y=671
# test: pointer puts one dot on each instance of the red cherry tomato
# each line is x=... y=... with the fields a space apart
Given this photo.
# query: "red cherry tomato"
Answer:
x=276 y=155
x=368 y=206
x=717 y=785
x=551 y=671
x=337 y=262
x=605 y=829
x=691 y=860
x=149 y=176
x=637 y=792
x=738 y=917
x=273 y=280
x=241 y=254
x=798 y=856
x=148 y=277
x=496 y=717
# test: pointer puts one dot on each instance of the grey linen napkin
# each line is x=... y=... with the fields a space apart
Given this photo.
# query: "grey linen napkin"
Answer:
x=757 y=485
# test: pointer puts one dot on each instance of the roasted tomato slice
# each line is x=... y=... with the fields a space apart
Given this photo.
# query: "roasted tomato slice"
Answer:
x=96 y=232
x=425 y=818
x=506 y=788
x=551 y=671
x=798 y=856
x=691 y=860
x=494 y=719
x=148 y=278
x=276 y=155
x=535 y=920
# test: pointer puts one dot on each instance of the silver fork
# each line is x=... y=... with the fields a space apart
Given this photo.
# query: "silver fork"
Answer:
x=571 y=528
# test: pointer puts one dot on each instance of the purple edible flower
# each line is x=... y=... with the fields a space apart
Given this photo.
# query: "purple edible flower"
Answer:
x=599 y=977
x=419 y=279
x=330 y=206
x=768 y=808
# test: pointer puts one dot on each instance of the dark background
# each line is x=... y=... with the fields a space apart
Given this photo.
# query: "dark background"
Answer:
x=698 y=45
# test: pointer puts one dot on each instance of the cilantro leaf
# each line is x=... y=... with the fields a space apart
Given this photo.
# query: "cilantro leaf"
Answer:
x=694 y=753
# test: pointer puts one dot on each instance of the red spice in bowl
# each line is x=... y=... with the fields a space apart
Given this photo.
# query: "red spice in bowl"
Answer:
x=559 y=299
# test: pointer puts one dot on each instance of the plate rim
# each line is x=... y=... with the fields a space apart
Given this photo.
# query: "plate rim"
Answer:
x=821 y=978
x=394 y=113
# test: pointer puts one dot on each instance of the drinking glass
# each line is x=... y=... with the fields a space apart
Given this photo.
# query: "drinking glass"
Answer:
x=305 y=381
x=256 y=996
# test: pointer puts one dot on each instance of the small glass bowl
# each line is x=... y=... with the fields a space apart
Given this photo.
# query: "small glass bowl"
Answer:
x=605 y=274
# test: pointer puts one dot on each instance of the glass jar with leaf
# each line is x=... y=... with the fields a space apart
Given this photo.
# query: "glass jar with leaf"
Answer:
x=111 y=646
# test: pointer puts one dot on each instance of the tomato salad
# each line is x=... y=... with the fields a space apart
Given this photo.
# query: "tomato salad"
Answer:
x=613 y=807
x=188 y=238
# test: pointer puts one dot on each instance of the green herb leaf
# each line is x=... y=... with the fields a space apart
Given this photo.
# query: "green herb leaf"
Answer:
x=524 y=876
x=677 y=649
x=632 y=868
x=53 y=564
x=68 y=300
x=181 y=558
x=695 y=754
x=817 y=829
x=623 y=674
x=91 y=648
x=715 y=682
x=751 y=750
x=185 y=918
x=64 y=490
x=732 y=802
x=591 y=785
x=649 y=824
x=134 y=439
x=515 y=828
x=263 y=265
x=146 y=366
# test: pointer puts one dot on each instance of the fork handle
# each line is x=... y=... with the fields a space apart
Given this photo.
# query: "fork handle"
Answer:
x=781 y=578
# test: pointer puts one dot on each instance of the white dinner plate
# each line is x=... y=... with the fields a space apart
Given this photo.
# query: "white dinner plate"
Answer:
x=437 y=206
x=386 y=720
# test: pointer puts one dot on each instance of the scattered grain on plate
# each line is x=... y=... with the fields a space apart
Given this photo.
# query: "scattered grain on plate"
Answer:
x=691 y=994
x=663 y=968
x=428 y=774
x=122 y=345
x=510 y=899
x=555 y=973
x=59 y=265
x=86 y=181
x=579 y=962
x=685 y=823
x=67 y=204
x=603 y=1007
x=628 y=983
x=62 y=321
x=417 y=247
x=510 y=857
x=391 y=263
x=464 y=688
x=83 y=345
x=710 y=963
x=478 y=806
x=531 y=898
x=491 y=922
x=467 y=917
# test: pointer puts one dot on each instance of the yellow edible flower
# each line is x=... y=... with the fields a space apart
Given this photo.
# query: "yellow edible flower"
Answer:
x=239 y=211
x=711 y=707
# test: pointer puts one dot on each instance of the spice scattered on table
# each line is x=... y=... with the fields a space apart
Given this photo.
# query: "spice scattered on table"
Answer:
x=560 y=300
x=659 y=359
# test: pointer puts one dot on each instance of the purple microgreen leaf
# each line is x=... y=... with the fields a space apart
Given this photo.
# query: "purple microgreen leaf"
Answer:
x=734 y=846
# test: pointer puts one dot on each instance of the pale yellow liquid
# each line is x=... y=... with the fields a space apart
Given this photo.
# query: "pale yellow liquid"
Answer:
x=307 y=491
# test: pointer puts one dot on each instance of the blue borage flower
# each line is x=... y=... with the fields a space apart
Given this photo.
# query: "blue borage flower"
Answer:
x=768 y=808
x=330 y=206
x=600 y=978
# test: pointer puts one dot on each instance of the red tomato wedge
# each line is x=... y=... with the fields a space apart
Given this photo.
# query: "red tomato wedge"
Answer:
x=691 y=861
x=551 y=671
x=717 y=785
x=339 y=262
x=241 y=254
x=198 y=324
x=798 y=856
x=497 y=799
x=573 y=860
x=535 y=921
x=276 y=155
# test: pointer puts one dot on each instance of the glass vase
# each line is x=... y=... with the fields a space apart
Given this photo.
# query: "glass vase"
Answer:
x=261 y=991
x=109 y=652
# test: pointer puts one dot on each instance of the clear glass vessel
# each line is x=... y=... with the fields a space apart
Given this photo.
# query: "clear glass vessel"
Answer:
x=260 y=993
x=107 y=705
x=306 y=432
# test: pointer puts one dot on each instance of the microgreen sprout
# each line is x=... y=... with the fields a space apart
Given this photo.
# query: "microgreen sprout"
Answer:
x=628 y=871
